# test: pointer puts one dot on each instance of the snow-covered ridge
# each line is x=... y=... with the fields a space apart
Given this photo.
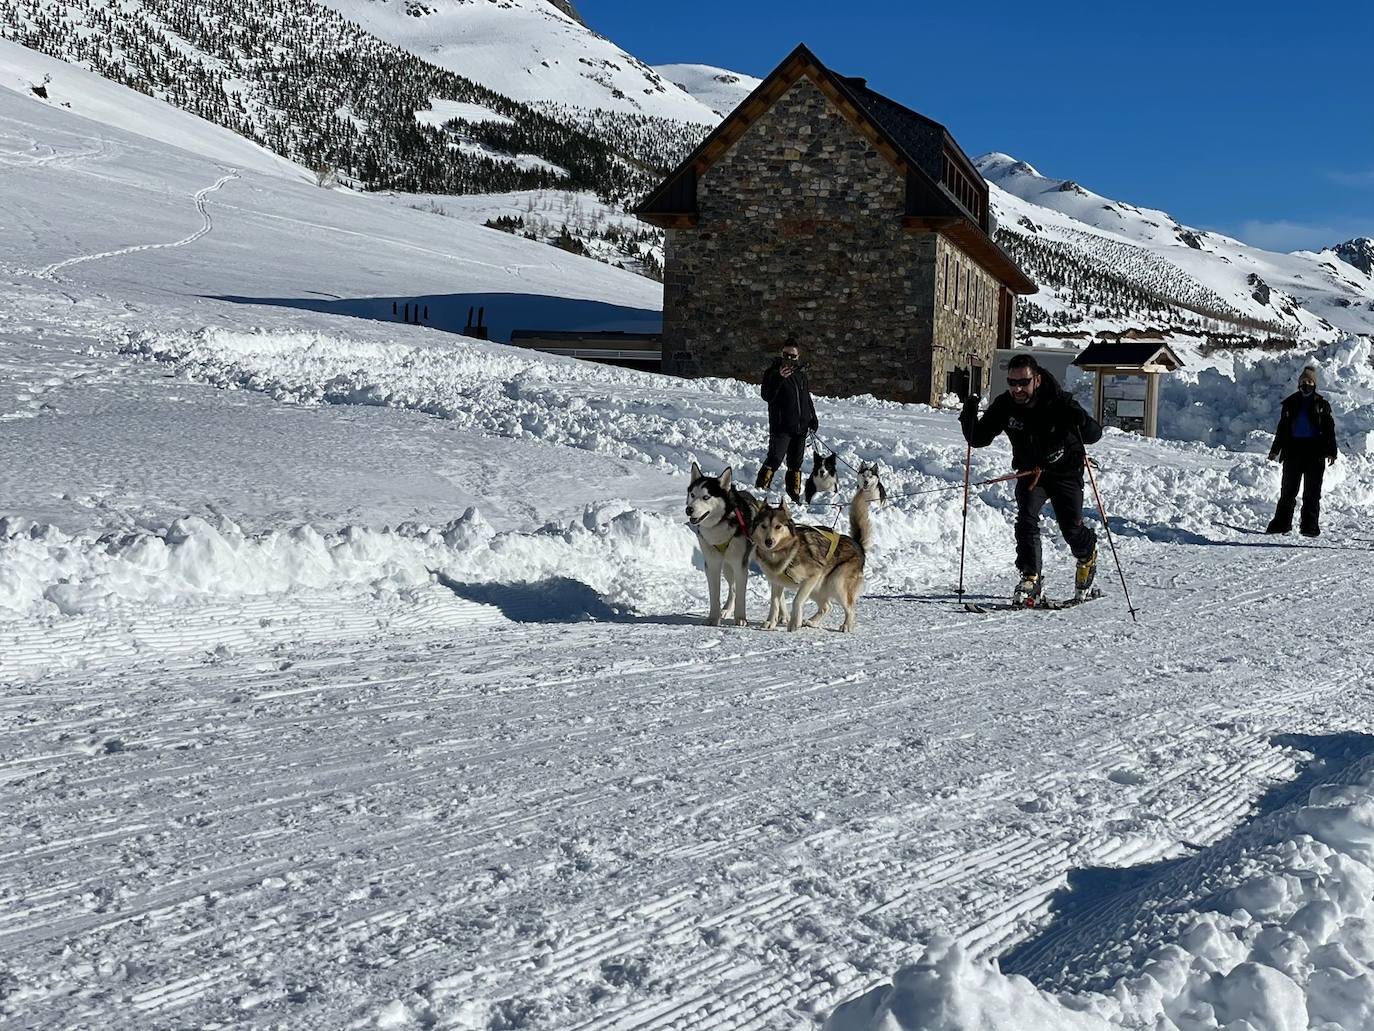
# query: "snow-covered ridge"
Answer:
x=1196 y=276
x=719 y=89
x=530 y=50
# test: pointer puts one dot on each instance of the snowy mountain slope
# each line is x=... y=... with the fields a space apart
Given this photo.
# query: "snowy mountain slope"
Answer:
x=1306 y=295
x=111 y=104
x=307 y=84
x=720 y=90
x=290 y=738
x=528 y=50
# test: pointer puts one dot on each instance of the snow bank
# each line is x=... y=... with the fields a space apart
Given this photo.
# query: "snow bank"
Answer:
x=1241 y=410
x=1272 y=930
x=1157 y=490
x=617 y=552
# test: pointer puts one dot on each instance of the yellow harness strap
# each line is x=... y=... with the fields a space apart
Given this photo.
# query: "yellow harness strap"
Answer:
x=830 y=552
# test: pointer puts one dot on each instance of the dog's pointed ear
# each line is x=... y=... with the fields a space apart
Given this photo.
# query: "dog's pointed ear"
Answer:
x=817 y=457
x=830 y=462
x=725 y=478
x=783 y=509
x=696 y=471
x=882 y=493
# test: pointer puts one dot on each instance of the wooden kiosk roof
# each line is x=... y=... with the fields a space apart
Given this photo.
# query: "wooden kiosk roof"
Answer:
x=895 y=132
x=1143 y=355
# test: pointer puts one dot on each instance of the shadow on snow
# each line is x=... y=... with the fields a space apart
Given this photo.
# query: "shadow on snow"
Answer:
x=504 y=311
x=555 y=600
x=1094 y=911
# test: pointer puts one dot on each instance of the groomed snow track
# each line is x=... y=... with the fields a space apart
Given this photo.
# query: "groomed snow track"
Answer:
x=629 y=826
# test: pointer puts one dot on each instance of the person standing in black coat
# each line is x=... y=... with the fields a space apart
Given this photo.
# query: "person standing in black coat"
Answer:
x=791 y=415
x=1048 y=430
x=1305 y=438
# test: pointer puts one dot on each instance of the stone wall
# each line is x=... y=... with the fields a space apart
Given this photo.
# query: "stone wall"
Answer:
x=800 y=235
x=965 y=316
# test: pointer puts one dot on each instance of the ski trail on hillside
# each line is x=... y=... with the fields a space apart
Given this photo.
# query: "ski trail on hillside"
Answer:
x=207 y=225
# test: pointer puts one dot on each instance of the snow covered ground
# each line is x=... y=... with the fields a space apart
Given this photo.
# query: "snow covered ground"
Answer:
x=354 y=672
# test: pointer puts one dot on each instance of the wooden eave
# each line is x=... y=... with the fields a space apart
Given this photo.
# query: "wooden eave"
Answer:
x=667 y=221
x=971 y=239
x=1162 y=360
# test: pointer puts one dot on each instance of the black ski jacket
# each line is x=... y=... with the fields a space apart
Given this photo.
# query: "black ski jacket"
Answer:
x=1047 y=433
x=789 y=400
x=1326 y=425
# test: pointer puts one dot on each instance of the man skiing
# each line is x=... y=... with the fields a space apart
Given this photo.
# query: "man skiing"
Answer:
x=1048 y=430
x=791 y=415
x=1306 y=435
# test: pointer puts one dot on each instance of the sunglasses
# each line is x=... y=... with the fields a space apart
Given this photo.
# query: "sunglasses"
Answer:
x=1019 y=382
x=791 y=357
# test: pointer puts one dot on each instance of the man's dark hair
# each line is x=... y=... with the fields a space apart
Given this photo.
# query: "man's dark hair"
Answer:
x=1023 y=361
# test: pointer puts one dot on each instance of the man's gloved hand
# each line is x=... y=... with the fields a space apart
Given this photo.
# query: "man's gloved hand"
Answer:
x=814 y=424
x=971 y=403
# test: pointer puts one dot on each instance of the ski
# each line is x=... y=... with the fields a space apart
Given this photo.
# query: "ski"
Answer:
x=1045 y=604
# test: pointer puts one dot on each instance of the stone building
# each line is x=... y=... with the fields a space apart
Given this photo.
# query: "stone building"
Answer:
x=823 y=211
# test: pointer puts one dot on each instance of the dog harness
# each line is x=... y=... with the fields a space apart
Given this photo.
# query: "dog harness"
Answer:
x=830 y=553
x=741 y=530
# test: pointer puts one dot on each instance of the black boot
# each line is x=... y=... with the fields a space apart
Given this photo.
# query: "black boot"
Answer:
x=765 y=477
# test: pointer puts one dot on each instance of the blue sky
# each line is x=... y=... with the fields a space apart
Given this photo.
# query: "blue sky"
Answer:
x=1253 y=119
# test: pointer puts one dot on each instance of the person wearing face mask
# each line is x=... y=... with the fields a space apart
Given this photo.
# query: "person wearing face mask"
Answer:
x=1048 y=430
x=1306 y=438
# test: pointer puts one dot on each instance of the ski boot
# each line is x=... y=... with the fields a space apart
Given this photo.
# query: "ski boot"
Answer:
x=1029 y=592
x=1084 y=574
x=765 y=477
x=794 y=485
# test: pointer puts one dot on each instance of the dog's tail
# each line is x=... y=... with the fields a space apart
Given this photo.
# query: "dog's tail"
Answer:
x=858 y=519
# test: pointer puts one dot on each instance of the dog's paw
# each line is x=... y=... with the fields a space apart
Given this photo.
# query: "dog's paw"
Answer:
x=813 y=622
x=772 y=624
x=741 y=622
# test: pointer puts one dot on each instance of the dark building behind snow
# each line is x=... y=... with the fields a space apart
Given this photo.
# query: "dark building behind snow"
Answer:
x=823 y=211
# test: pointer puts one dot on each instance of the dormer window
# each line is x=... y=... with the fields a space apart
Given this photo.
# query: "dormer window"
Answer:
x=958 y=182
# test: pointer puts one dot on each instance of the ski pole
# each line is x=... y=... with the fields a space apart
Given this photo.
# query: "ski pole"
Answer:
x=963 y=532
x=1102 y=511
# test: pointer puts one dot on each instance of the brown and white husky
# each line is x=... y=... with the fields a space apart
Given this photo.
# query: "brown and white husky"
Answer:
x=817 y=563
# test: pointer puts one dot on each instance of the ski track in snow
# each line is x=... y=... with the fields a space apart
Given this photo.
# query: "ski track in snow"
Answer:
x=713 y=834
x=207 y=224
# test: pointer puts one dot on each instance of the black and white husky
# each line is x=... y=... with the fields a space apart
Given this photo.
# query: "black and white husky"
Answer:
x=720 y=514
x=822 y=479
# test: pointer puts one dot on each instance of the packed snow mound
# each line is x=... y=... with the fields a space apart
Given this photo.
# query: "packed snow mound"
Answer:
x=1183 y=494
x=618 y=553
x=1239 y=408
x=1272 y=930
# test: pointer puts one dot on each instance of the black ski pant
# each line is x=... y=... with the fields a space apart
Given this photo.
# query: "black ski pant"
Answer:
x=1303 y=463
x=789 y=445
x=1063 y=490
